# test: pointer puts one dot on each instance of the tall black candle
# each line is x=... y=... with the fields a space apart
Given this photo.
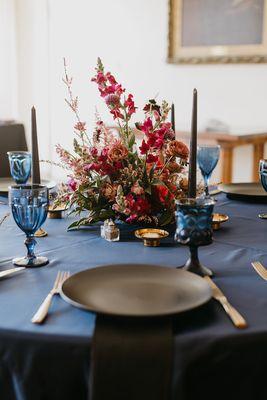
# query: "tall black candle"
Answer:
x=192 y=178
x=35 y=153
x=173 y=118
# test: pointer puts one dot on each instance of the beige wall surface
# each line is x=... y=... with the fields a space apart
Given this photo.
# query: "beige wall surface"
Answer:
x=131 y=39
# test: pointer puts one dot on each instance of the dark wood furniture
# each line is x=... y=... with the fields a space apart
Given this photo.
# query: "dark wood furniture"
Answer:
x=12 y=137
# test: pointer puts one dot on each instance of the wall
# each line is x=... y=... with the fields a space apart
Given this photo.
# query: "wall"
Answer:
x=33 y=72
x=131 y=39
x=8 y=71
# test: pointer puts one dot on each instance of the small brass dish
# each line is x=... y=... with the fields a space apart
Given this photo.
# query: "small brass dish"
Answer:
x=151 y=236
x=56 y=212
x=218 y=219
x=40 y=233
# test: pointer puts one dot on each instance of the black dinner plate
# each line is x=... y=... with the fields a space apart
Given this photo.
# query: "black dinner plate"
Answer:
x=250 y=192
x=136 y=290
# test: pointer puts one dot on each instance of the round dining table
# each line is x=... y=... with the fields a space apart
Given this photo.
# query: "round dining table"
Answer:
x=212 y=359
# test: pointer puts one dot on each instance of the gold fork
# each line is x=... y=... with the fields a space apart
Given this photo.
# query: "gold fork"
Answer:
x=42 y=311
x=260 y=269
x=4 y=218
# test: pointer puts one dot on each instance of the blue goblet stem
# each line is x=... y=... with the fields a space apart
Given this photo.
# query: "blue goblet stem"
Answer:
x=30 y=243
x=193 y=263
x=206 y=183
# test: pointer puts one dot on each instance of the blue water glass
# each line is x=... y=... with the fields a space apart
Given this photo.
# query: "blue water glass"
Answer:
x=194 y=228
x=263 y=179
x=207 y=158
x=20 y=165
x=29 y=205
x=263 y=173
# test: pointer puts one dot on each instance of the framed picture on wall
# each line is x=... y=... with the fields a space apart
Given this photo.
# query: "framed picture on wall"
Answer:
x=217 y=31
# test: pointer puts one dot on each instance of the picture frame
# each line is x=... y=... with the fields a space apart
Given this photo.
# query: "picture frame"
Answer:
x=222 y=31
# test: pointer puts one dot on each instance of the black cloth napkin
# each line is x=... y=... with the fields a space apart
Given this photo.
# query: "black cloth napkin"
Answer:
x=131 y=359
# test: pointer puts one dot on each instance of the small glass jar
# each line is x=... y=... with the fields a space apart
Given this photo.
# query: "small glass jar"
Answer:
x=111 y=232
x=103 y=227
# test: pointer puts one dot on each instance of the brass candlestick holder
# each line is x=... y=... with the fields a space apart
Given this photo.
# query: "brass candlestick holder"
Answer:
x=151 y=236
x=56 y=212
x=217 y=220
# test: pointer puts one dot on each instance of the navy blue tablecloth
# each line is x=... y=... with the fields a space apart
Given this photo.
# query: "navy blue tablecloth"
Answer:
x=212 y=359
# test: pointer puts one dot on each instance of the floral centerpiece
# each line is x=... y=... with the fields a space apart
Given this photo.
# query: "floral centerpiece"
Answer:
x=110 y=175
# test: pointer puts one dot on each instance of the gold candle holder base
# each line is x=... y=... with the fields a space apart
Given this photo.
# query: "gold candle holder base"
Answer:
x=151 y=236
x=56 y=212
x=217 y=220
x=40 y=233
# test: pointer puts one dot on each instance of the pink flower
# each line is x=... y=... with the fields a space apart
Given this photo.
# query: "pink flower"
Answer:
x=72 y=184
x=137 y=189
x=93 y=151
x=92 y=167
x=112 y=100
x=80 y=126
x=132 y=218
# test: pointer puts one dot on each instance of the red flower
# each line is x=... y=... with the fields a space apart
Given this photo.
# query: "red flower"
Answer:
x=139 y=205
x=92 y=167
x=99 y=78
x=144 y=147
x=147 y=126
x=164 y=195
x=116 y=113
x=119 y=89
x=130 y=104
x=104 y=154
x=151 y=158
x=110 y=78
x=118 y=165
x=93 y=151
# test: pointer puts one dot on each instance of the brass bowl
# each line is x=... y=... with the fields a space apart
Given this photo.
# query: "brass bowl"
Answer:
x=218 y=219
x=40 y=233
x=151 y=236
x=56 y=212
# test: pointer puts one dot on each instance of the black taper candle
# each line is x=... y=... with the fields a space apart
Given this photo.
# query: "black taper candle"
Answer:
x=173 y=118
x=35 y=153
x=192 y=178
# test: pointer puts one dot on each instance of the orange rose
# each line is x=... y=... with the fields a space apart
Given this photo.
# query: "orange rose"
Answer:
x=177 y=149
x=117 y=152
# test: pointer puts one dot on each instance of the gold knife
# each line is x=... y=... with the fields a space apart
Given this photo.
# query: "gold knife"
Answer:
x=218 y=295
x=10 y=271
x=260 y=269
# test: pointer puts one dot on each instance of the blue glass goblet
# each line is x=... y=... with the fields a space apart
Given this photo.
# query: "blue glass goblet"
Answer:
x=263 y=178
x=20 y=165
x=194 y=229
x=207 y=158
x=29 y=204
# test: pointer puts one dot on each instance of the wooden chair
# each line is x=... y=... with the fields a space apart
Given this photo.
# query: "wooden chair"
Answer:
x=12 y=137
